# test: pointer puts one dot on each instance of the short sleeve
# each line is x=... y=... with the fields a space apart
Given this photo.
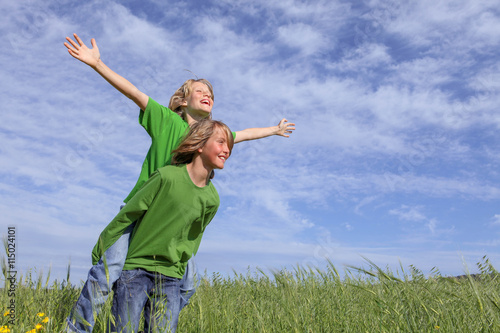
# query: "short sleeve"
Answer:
x=156 y=117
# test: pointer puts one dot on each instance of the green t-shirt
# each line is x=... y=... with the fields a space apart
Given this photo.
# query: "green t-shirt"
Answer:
x=166 y=129
x=171 y=214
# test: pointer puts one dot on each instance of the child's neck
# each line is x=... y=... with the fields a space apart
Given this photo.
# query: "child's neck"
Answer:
x=199 y=174
x=192 y=118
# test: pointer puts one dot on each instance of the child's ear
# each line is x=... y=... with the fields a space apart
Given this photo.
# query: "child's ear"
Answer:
x=199 y=150
x=184 y=102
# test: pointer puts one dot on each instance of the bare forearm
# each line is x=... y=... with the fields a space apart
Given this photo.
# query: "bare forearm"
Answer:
x=255 y=133
x=92 y=58
x=284 y=128
x=121 y=84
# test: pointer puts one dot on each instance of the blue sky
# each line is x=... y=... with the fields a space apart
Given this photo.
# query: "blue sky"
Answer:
x=395 y=156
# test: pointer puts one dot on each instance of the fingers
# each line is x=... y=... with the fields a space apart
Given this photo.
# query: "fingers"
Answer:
x=284 y=122
x=71 y=42
x=80 y=42
x=78 y=39
x=74 y=48
x=74 y=53
x=67 y=45
x=286 y=128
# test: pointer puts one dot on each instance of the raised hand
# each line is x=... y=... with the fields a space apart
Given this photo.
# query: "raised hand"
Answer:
x=284 y=128
x=81 y=52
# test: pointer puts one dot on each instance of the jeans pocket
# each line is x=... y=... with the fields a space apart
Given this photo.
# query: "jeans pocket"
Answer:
x=169 y=279
x=129 y=276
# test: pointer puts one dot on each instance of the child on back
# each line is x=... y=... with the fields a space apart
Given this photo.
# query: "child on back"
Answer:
x=170 y=213
x=192 y=102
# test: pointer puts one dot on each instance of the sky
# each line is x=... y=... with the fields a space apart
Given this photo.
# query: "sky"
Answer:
x=395 y=156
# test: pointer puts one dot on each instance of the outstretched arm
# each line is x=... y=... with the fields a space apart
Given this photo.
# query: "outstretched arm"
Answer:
x=283 y=128
x=92 y=58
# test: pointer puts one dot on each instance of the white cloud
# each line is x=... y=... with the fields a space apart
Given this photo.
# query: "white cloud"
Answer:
x=301 y=36
x=392 y=104
x=412 y=214
x=363 y=59
x=348 y=226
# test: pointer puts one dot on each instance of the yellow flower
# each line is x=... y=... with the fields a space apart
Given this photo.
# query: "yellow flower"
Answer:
x=32 y=331
x=6 y=313
x=38 y=327
x=40 y=314
x=4 y=329
x=436 y=327
x=45 y=320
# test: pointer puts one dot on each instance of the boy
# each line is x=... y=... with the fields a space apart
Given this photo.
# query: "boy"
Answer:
x=170 y=213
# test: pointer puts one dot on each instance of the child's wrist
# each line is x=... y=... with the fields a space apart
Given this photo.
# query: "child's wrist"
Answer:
x=276 y=130
x=97 y=64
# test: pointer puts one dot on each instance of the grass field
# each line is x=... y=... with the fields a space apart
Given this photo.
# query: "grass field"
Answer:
x=301 y=300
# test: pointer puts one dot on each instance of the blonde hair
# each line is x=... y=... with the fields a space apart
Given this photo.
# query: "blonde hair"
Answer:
x=197 y=137
x=184 y=91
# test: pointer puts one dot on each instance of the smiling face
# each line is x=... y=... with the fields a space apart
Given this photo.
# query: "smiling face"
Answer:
x=216 y=150
x=199 y=103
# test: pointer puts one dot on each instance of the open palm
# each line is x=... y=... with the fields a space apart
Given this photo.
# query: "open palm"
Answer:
x=81 y=52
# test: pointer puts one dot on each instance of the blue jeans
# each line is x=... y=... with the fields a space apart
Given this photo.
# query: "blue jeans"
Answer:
x=97 y=287
x=157 y=294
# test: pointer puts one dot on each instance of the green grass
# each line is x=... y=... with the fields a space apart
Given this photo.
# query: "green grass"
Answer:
x=301 y=300
x=35 y=300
